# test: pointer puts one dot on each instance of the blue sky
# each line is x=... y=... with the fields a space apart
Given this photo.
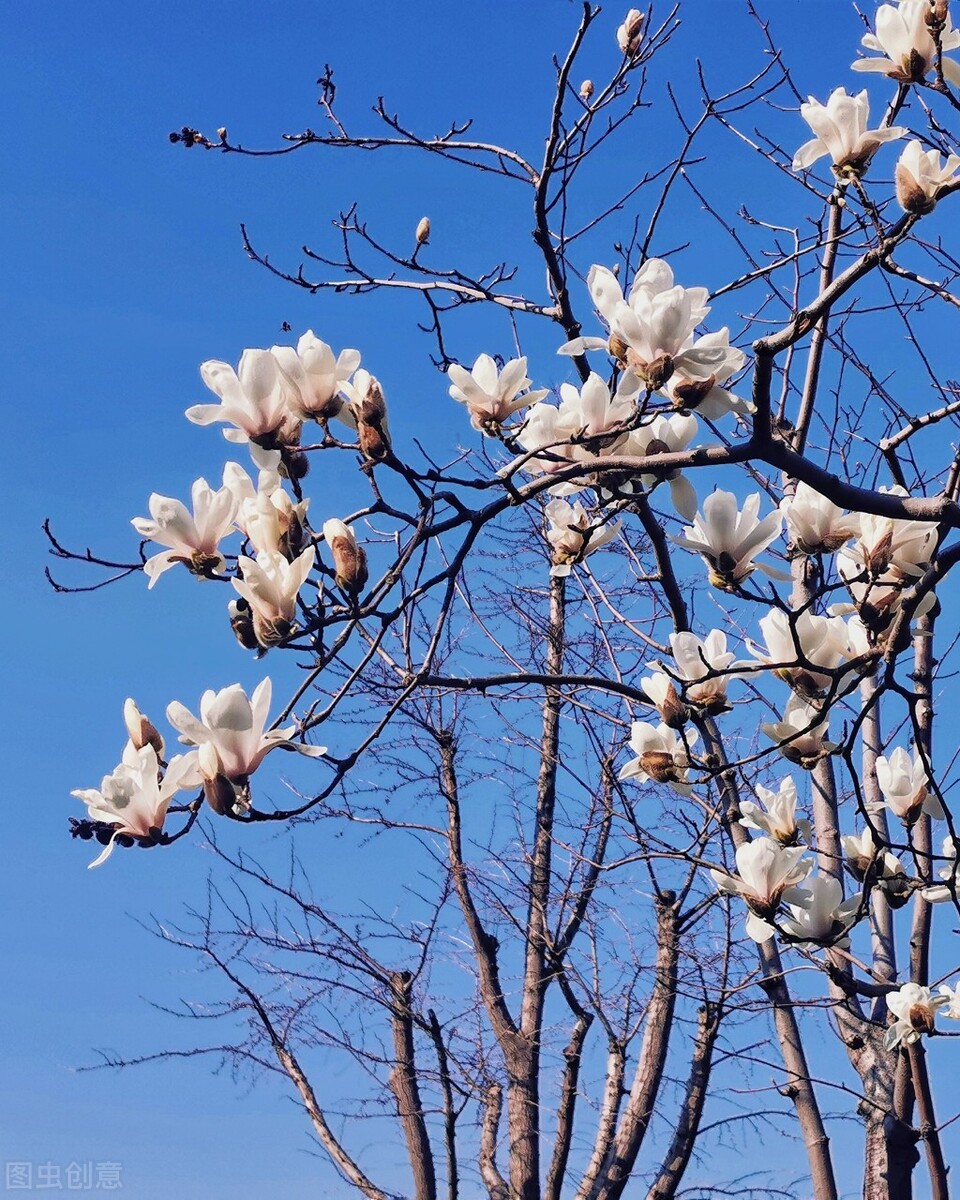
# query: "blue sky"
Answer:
x=124 y=270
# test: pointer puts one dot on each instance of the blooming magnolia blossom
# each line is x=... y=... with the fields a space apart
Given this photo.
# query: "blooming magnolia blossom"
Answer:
x=905 y=786
x=661 y=756
x=234 y=726
x=252 y=397
x=313 y=377
x=768 y=874
x=572 y=536
x=729 y=539
x=816 y=644
x=778 y=816
x=891 y=542
x=801 y=733
x=664 y=435
x=866 y=859
x=819 y=915
x=842 y=133
x=134 y=797
x=907 y=43
x=814 y=523
x=588 y=423
x=492 y=396
x=700 y=668
x=651 y=333
x=270 y=585
x=266 y=515
x=915 y=1008
x=921 y=179
x=194 y=540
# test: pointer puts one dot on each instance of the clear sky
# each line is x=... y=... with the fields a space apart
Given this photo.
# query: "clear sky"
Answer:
x=123 y=270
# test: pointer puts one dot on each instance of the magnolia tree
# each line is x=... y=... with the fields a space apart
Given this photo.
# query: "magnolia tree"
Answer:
x=630 y=696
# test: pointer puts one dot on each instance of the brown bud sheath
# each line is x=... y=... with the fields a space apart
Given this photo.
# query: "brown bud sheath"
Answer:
x=659 y=371
x=911 y=196
x=350 y=561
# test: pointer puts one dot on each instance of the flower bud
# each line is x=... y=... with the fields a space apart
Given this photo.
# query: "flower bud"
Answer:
x=423 y=231
x=372 y=423
x=910 y=195
x=629 y=35
x=349 y=558
x=586 y=90
x=141 y=729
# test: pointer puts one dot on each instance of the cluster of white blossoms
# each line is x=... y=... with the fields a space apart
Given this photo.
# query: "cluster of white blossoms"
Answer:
x=230 y=739
x=913 y=39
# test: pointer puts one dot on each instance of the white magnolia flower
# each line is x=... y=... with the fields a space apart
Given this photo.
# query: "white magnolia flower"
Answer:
x=842 y=133
x=492 y=396
x=665 y=435
x=349 y=557
x=906 y=40
x=266 y=515
x=905 y=786
x=866 y=859
x=629 y=34
x=888 y=542
x=588 y=423
x=768 y=874
x=920 y=177
x=572 y=536
x=194 y=540
x=651 y=333
x=700 y=668
x=252 y=398
x=270 y=585
x=814 y=523
x=705 y=396
x=801 y=733
x=819 y=915
x=235 y=727
x=661 y=756
x=729 y=539
x=134 y=797
x=951 y=1009
x=313 y=377
x=816 y=644
x=778 y=816
x=915 y=1008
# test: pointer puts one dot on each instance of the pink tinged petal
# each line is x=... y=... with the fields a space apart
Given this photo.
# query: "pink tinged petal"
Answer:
x=193 y=732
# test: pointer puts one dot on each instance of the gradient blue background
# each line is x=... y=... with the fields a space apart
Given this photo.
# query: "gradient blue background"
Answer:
x=123 y=270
